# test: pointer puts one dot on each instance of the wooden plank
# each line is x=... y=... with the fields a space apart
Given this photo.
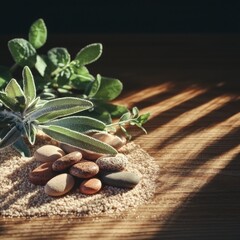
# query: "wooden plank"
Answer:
x=190 y=86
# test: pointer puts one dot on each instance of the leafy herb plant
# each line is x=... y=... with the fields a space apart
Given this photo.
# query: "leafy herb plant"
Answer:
x=59 y=75
x=23 y=114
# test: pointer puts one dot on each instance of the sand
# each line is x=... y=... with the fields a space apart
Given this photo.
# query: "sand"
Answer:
x=20 y=198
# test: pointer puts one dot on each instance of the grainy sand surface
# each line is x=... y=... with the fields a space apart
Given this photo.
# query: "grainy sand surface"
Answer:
x=20 y=198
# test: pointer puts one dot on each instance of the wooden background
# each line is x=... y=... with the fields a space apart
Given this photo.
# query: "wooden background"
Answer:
x=191 y=86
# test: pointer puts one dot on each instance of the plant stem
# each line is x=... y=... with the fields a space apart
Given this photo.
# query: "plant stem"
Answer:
x=13 y=68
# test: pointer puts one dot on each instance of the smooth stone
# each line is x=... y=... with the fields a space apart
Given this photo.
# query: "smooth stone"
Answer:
x=113 y=140
x=90 y=186
x=121 y=179
x=90 y=155
x=84 y=169
x=59 y=185
x=112 y=163
x=66 y=161
x=48 y=153
x=42 y=174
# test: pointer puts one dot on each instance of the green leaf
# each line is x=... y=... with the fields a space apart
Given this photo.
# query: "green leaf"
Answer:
x=11 y=137
x=5 y=76
x=58 y=108
x=77 y=139
x=143 y=118
x=28 y=85
x=79 y=82
x=8 y=101
x=125 y=117
x=22 y=147
x=63 y=77
x=114 y=110
x=40 y=65
x=31 y=132
x=38 y=33
x=109 y=89
x=94 y=87
x=14 y=91
x=59 y=57
x=79 y=123
x=100 y=114
x=135 y=112
x=89 y=54
x=33 y=105
x=22 y=52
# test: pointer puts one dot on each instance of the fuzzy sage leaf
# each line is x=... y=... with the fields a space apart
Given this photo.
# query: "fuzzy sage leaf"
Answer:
x=79 y=123
x=22 y=52
x=78 y=139
x=58 y=108
x=28 y=85
x=89 y=54
x=38 y=33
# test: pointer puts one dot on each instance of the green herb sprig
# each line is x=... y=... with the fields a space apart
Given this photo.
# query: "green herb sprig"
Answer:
x=23 y=114
x=60 y=75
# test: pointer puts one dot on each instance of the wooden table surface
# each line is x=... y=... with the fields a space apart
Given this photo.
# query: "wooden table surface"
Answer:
x=191 y=86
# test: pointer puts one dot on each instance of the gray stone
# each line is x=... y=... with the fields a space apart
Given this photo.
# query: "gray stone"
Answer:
x=120 y=179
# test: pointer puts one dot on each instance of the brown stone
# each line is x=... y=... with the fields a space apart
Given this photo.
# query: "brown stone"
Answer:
x=84 y=169
x=90 y=155
x=42 y=174
x=90 y=186
x=48 y=153
x=66 y=161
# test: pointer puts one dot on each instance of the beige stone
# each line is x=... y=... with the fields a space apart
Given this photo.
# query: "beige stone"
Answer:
x=48 y=153
x=59 y=185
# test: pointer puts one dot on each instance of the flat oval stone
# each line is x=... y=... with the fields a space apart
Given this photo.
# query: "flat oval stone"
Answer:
x=48 y=153
x=121 y=179
x=112 y=163
x=59 y=185
x=84 y=169
x=85 y=153
x=42 y=174
x=66 y=161
x=113 y=140
x=90 y=186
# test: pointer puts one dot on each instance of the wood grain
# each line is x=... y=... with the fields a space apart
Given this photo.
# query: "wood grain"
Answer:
x=190 y=84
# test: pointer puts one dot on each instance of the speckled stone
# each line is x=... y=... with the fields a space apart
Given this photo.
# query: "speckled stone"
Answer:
x=42 y=174
x=120 y=179
x=84 y=169
x=90 y=186
x=112 y=163
x=66 y=161
x=59 y=185
x=48 y=153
